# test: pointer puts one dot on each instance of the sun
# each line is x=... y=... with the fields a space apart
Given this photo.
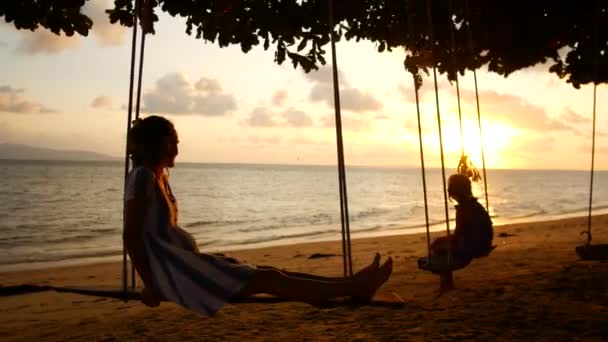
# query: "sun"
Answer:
x=497 y=140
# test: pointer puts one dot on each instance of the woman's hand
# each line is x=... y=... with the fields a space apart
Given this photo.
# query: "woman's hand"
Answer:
x=149 y=297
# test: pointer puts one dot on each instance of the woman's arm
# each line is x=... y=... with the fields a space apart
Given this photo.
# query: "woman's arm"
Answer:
x=460 y=224
x=135 y=210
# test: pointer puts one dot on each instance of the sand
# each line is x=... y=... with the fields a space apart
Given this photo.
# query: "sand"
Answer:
x=532 y=287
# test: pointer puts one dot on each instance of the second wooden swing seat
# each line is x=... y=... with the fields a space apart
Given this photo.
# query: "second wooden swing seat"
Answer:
x=442 y=264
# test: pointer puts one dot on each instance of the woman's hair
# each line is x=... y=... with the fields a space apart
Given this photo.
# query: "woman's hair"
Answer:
x=145 y=140
x=459 y=187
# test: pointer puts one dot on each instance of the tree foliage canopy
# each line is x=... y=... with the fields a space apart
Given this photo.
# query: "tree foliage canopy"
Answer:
x=504 y=35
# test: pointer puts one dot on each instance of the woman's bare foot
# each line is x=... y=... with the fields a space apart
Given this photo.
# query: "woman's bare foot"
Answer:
x=371 y=267
x=372 y=281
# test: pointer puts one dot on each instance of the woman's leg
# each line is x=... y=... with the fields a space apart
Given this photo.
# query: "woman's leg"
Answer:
x=369 y=268
x=440 y=244
x=314 y=291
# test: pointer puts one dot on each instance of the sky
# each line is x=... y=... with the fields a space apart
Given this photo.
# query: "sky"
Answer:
x=229 y=107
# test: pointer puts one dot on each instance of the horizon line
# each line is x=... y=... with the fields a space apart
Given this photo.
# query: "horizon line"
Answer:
x=121 y=160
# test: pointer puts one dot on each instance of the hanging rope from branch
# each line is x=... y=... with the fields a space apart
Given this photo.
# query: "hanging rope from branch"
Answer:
x=125 y=275
x=417 y=83
x=465 y=166
x=474 y=57
x=443 y=178
x=344 y=216
x=453 y=52
x=143 y=11
x=596 y=21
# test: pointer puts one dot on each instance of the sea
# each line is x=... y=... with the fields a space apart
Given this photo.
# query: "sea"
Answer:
x=55 y=213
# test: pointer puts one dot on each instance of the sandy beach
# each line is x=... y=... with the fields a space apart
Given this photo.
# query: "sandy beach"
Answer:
x=532 y=287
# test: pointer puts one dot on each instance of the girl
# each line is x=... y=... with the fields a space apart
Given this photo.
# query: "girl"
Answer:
x=473 y=234
x=168 y=260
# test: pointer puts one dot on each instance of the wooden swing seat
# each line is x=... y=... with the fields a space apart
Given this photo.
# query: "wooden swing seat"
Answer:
x=440 y=265
x=593 y=252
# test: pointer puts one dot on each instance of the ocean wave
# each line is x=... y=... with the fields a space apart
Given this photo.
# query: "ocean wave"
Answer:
x=38 y=226
x=541 y=212
x=289 y=222
x=105 y=230
x=260 y=229
x=370 y=212
x=272 y=238
x=46 y=257
x=214 y=223
x=70 y=239
x=367 y=230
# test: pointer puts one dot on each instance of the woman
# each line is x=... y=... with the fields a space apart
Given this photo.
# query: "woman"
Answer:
x=473 y=234
x=167 y=258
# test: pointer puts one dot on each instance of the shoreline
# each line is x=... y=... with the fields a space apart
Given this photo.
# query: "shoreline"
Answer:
x=419 y=235
x=437 y=228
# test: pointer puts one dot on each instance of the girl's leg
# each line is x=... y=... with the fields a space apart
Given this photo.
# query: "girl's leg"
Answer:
x=313 y=291
x=374 y=265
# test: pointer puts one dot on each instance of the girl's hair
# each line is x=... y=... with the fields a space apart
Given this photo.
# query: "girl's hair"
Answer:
x=459 y=187
x=145 y=140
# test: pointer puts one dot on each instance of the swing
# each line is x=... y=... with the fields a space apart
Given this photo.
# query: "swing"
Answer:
x=444 y=265
x=588 y=251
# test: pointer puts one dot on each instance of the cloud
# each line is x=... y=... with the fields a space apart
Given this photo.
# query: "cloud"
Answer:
x=107 y=34
x=302 y=140
x=515 y=110
x=428 y=88
x=12 y=101
x=260 y=117
x=348 y=122
x=533 y=150
x=297 y=118
x=102 y=102
x=586 y=149
x=382 y=117
x=209 y=85
x=175 y=94
x=574 y=118
x=407 y=91
x=351 y=98
x=43 y=41
x=264 y=140
x=324 y=75
x=279 y=97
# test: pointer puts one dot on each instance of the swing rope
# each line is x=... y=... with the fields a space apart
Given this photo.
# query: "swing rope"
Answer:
x=127 y=162
x=595 y=72
x=474 y=57
x=417 y=85
x=137 y=106
x=453 y=51
x=137 y=12
x=344 y=216
x=141 y=66
x=445 y=195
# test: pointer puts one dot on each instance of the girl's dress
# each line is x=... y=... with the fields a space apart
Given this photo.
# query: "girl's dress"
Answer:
x=179 y=273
